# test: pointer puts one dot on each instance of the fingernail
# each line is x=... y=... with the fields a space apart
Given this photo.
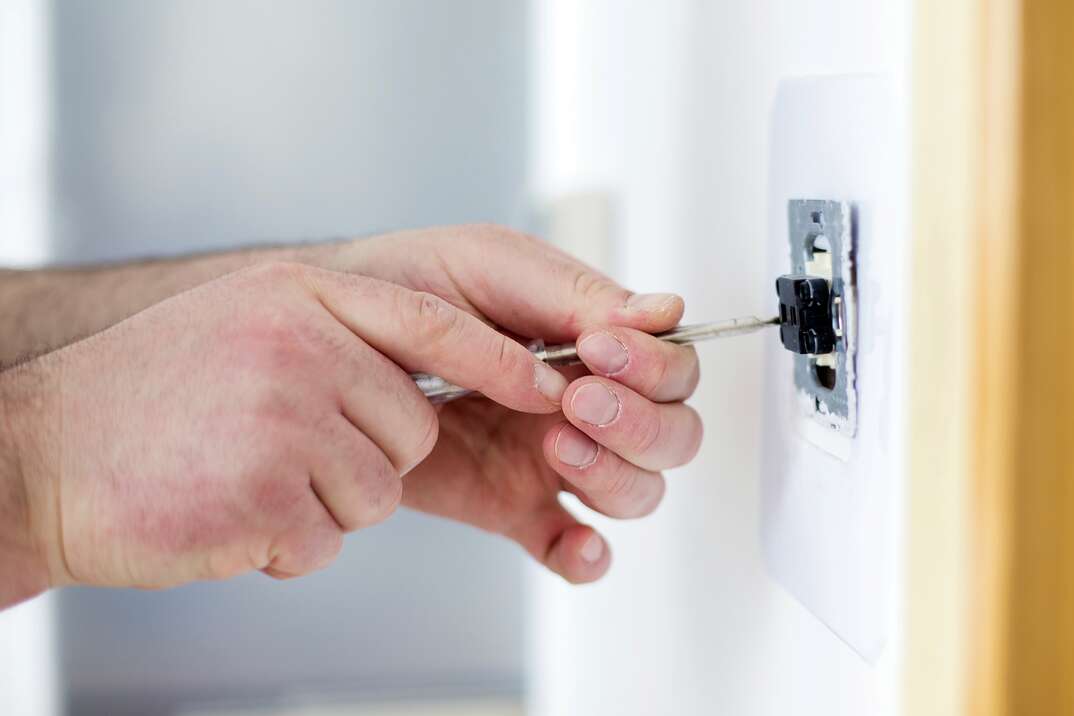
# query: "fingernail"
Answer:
x=549 y=382
x=575 y=449
x=595 y=404
x=650 y=302
x=604 y=353
x=592 y=549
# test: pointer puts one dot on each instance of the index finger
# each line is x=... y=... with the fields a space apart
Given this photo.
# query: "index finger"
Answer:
x=422 y=332
x=527 y=285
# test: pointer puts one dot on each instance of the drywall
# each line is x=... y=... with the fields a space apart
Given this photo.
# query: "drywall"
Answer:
x=827 y=498
x=28 y=668
x=667 y=109
x=25 y=121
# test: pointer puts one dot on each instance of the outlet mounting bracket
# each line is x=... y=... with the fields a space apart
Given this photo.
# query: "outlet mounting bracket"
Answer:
x=821 y=238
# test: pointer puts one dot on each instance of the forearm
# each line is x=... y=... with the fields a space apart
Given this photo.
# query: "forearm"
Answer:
x=26 y=491
x=43 y=310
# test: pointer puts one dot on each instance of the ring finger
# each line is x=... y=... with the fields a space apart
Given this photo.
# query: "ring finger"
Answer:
x=603 y=480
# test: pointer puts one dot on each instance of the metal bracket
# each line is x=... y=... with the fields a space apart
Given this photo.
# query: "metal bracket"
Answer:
x=821 y=235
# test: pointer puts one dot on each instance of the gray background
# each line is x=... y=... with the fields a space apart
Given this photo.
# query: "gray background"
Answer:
x=198 y=125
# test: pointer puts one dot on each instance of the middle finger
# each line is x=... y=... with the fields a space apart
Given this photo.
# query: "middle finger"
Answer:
x=657 y=369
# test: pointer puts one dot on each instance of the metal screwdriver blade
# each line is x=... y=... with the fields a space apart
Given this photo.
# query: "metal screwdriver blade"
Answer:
x=567 y=353
x=439 y=390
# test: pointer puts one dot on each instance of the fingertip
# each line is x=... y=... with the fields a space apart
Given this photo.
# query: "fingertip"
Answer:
x=592 y=549
x=550 y=384
x=592 y=402
x=603 y=352
x=548 y=444
x=653 y=311
x=567 y=446
x=580 y=555
x=659 y=370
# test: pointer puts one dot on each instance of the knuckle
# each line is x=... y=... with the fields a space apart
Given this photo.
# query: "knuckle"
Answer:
x=431 y=434
x=274 y=271
x=328 y=545
x=275 y=413
x=379 y=492
x=590 y=288
x=648 y=433
x=225 y=563
x=622 y=481
x=426 y=433
x=588 y=284
x=488 y=231
x=269 y=494
x=504 y=354
x=431 y=318
x=272 y=340
x=383 y=499
x=307 y=550
x=658 y=378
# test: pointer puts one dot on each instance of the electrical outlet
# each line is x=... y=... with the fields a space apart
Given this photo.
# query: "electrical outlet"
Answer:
x=821 y=238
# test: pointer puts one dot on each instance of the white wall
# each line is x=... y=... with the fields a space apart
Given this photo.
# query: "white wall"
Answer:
x=28 y=674
x=25 y=120
x=666 y=107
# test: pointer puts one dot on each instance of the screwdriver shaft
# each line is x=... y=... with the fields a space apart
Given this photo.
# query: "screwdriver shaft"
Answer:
x=439 y=390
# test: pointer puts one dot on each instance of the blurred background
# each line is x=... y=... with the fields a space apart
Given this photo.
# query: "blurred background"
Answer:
x=635 y=134
x=191 y=126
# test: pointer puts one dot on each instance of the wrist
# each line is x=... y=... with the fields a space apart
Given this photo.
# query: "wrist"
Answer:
x=30 y=551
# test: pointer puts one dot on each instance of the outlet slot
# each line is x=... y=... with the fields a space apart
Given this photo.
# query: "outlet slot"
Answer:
x=825 y=375
x=820 y=245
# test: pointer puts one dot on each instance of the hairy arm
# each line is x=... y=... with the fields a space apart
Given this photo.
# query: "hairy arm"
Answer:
x=41 y=310
x=25 y=396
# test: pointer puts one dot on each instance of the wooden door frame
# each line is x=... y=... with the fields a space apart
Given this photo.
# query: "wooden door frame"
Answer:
x=990 y=492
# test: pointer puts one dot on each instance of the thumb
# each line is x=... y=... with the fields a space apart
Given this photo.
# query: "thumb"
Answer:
x=533 y=289
x=422 y=332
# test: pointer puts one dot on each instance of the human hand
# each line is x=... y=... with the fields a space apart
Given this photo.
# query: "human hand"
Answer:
x=246 y=424
x=502 y=470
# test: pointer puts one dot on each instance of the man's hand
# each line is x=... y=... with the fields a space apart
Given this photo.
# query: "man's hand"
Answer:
x=246 y=424
x=503 y=470
x=249 y=422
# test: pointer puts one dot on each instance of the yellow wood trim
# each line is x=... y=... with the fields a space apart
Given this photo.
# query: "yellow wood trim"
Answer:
x=963 y=269
x=944 y=161
x=1040 y=627
x=994 y=257
x=990 y=501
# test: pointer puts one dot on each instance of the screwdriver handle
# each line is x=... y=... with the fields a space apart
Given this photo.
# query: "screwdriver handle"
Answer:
x=438 y=390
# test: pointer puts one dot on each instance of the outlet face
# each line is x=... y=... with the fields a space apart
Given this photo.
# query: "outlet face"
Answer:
x=829 y=479
x=821 y=240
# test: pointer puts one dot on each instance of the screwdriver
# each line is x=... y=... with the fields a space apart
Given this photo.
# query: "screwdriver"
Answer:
x=439 y=390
